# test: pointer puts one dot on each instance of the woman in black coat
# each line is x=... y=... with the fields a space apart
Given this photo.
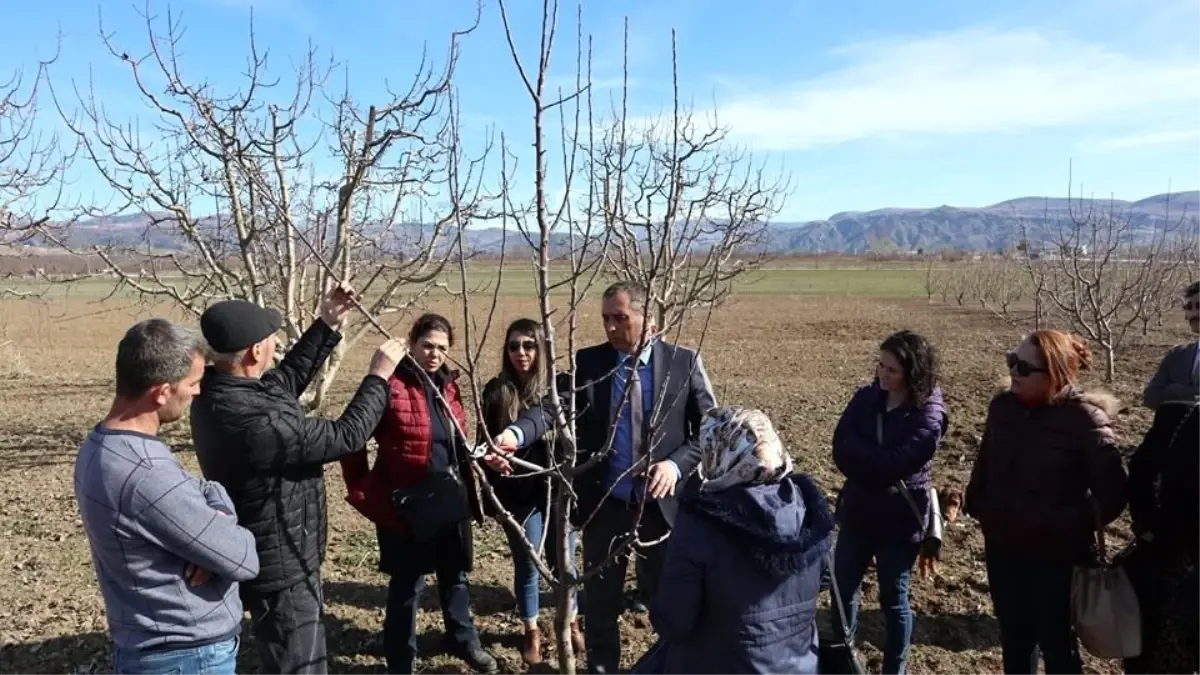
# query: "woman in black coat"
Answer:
x=519 y=386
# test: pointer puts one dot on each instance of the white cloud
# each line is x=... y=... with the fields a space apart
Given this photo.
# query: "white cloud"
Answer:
x=969 y=81
x=1143 y=140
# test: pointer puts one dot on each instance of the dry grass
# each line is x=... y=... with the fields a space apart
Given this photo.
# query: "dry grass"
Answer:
x=798 y=359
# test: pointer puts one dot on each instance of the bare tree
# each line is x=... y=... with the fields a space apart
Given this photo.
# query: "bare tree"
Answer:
x=1107 y=269
x=961 y=282
x=1167 y=279
x=933 y=277
x=1035 y=271
x=33 y=163
x=687 y=212
x=1001 y=287
x=565 y=225
x=212 y=191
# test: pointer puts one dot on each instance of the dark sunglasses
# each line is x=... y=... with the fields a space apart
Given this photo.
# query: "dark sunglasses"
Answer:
x=522 y=345
x=1022 y=367
x=1190 y=304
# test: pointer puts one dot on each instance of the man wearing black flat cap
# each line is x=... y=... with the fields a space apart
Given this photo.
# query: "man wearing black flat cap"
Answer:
x=252 y=435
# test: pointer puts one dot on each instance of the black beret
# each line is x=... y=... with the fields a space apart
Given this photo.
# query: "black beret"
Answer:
x=232 y=325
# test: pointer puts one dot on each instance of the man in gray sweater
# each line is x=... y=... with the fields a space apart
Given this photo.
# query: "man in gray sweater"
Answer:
x=166 y=546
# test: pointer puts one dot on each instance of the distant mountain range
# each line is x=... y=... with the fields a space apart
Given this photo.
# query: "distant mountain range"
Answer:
x=987 y=228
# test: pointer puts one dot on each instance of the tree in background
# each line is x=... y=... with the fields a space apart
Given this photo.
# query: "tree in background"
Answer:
x=226 y=179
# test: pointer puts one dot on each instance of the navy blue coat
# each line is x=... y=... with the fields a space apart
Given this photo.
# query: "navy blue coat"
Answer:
x=870 y=503
x=739 y=587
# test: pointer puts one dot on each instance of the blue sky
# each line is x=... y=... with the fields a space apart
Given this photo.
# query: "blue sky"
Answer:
x=865 y=104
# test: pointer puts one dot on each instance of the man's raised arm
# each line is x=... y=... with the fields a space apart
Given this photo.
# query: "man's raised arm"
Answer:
x=304 y=360
x=284 y=438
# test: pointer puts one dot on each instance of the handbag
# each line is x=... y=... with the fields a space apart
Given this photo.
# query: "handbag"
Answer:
x=431 y=505
x=435 y=503
x=1104 y=605
x=839 y=655
x=931 y=541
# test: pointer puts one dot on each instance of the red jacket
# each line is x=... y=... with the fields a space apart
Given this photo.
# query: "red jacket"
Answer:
x=405 y=442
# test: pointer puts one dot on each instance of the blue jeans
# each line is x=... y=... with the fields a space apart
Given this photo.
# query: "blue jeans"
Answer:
x=526 y=579
x=219 y=658
x=893 y=562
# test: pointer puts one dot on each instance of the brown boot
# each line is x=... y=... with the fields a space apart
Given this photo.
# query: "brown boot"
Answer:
x=577 y=643
x=531 y=648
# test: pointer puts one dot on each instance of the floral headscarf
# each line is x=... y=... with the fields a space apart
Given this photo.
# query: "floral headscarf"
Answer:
x=739 y=446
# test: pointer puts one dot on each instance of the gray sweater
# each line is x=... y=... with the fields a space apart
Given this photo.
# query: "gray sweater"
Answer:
x=145 y=519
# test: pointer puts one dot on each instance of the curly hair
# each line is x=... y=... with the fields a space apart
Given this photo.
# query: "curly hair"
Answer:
x=919 y=359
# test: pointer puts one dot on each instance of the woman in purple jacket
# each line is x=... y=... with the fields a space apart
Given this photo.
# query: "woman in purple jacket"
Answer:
x=884 y=444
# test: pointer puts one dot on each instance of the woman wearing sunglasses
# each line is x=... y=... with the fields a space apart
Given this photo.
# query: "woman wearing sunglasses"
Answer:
x=520 y=385
x=1047 y=474
x=884 y=445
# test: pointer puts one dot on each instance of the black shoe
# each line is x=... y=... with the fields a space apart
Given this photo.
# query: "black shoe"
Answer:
x=476 y=656
x=638 y=607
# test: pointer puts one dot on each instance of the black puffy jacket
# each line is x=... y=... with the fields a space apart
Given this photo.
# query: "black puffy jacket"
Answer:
x=252 y=436
x=1164 y=478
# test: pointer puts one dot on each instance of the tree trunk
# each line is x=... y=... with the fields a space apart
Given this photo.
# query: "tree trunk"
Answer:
x=1109 y=363
x=565 y=592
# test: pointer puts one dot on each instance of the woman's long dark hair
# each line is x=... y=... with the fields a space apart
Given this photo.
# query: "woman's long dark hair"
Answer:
x=518 y=391
x=919 y=359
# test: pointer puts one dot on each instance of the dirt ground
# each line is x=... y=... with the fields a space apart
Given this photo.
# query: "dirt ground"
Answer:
x=797 y=359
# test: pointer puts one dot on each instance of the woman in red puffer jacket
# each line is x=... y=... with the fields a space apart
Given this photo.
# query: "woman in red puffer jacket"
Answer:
x=422 y=496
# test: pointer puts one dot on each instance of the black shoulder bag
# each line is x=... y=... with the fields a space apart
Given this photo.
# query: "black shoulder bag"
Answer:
x=839 y=655
x=438 y=501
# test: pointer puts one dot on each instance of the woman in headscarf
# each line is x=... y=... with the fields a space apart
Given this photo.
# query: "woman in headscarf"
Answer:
x=743 y=568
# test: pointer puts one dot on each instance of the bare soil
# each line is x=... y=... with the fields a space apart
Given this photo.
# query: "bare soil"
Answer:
x=797 y=359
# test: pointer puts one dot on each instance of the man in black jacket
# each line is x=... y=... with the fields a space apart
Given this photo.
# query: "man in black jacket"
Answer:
x=252 y=436
x=649 y=456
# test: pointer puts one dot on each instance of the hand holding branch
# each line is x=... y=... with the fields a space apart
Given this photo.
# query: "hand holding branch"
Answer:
x=338 y=303
x=387 y=357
